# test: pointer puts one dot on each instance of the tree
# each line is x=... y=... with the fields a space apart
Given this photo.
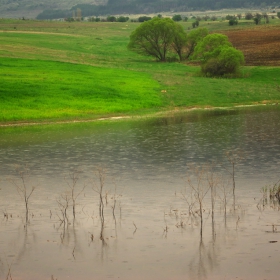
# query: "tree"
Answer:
x=249 y=16
x=278 y=14
x=144 y=18
x=218 y=56
x=205 y=17
x=79 y=14
x=155 y=38
x=195 y=24
x=233 y=21
x=111 y=18
x=266 y=18
x=208 y=47
x=177 y=17
x=193 y=38
x=227 y=62
x=257 y=18
x=179 y=41
x=122 y=19
x=228 y=17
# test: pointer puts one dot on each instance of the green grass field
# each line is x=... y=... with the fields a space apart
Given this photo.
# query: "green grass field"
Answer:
x=60 y=71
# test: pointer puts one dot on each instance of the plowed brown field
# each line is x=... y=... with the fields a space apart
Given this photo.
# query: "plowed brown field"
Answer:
x=260 y=45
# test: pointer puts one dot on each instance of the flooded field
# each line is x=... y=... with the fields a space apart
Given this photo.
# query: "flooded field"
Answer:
x=142 y=199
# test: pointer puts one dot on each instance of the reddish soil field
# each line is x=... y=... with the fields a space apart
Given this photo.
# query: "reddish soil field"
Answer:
x=260 y=45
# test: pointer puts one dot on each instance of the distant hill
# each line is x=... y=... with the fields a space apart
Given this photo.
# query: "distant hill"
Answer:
x=32 y=8
x=51 y=9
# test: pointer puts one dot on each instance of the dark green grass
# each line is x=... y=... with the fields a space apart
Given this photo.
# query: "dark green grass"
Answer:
x=257 y=84
x=52 y=70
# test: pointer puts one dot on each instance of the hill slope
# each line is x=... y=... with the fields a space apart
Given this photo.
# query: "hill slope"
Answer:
x=33 y=8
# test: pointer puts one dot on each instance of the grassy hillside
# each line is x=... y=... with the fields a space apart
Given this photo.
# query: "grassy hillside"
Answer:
x=47 y=90
x=53 y=70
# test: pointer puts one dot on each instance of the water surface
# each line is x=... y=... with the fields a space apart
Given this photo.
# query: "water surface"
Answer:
x=147 y=164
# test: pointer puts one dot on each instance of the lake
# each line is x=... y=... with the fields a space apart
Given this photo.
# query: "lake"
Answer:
x=153 y=198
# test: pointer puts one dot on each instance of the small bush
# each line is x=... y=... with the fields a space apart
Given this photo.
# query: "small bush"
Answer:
x=249 y=16
x=226 y=64
x=144 y=18
x=257 y=18
x=233 y=21
x=195 y=24
x=122 y=19
x=177 y=17
x=229 y=17
x=111 y=18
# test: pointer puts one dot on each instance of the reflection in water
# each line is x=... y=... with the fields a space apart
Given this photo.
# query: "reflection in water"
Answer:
x=23 y=187
x=270 y=197
x=234 y=157
x=86 y=227
x=204 y=261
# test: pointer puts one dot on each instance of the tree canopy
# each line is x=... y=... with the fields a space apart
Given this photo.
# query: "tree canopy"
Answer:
x=218 y=56
x=158 y=37
x=209 y=46
x=193 y=38
x=163 y=38
x=177 y=18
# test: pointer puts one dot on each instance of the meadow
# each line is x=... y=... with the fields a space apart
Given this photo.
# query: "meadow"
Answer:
x=54 y=71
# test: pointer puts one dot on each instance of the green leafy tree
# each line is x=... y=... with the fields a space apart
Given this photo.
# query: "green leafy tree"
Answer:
x=177 y=17
x=193 y=38
x=144 y=18
x=122 y=19
x=278 y=14
x=155 y=38
x=111 y=18
x=179 y=41
x=258 y=18
x=233 y=21
x=218 y=56
x=208 y=47
x=249 y=16
x=227 y=62
x=228 y=17
x=195 y=24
